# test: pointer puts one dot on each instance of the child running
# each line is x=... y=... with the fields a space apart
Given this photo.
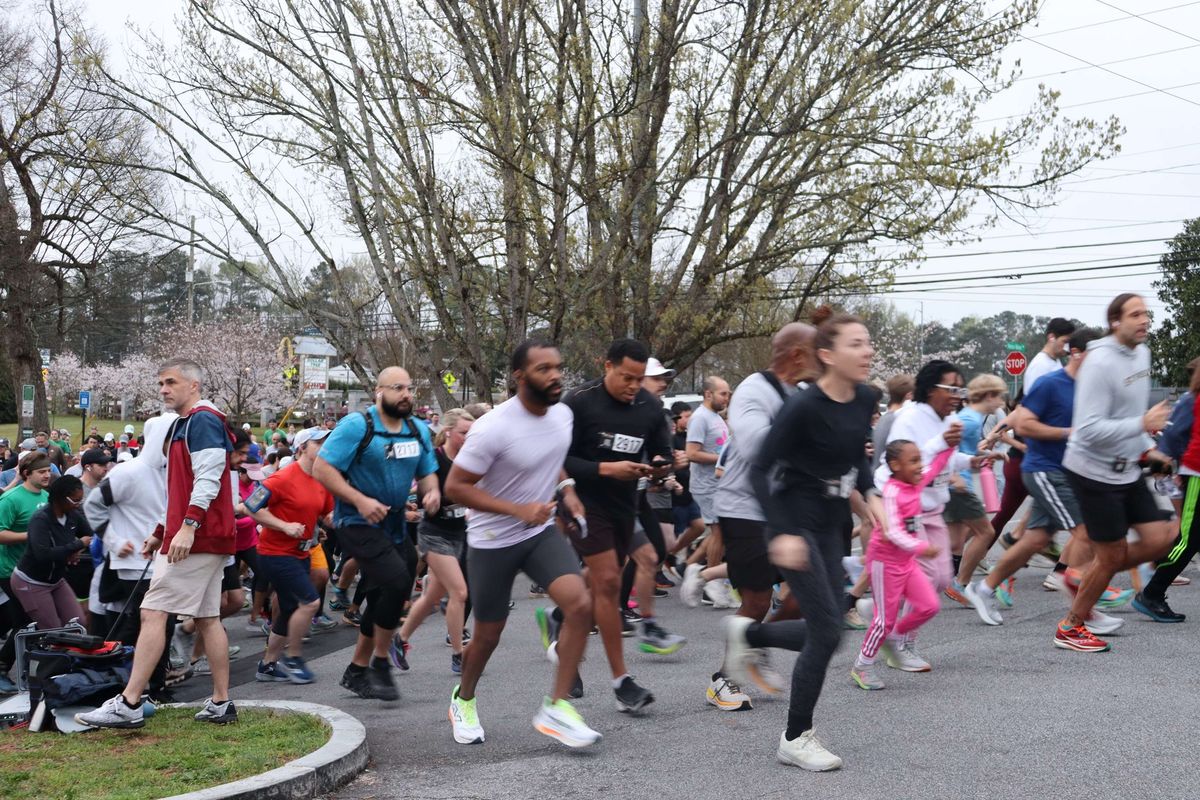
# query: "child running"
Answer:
x=892 y=558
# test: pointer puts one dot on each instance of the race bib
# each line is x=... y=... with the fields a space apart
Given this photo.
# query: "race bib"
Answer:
x=620 y=443
x=454 y=512
x=842 y=487
x=404 y=450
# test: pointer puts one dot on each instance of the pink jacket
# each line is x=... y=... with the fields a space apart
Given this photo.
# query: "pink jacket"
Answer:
x=899 y=541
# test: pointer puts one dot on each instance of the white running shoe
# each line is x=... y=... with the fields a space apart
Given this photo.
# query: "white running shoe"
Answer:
x=727 y=695
x=866 y=609
x=693 y=585
x=464 y=720
x=113 y=714
x=738 y=652
x=720 y=593
x=1054 y=582
x=806 y=752
x=853 y=565
x=562 y=722
x=904 y=657
x=1102 y=624
x=985 y=603
x=766 y=677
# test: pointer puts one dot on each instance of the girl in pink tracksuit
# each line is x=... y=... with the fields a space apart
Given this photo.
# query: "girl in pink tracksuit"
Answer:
x=892 y=557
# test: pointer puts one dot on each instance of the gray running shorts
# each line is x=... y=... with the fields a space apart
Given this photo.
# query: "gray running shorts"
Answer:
x=544 y=557
x=1054 y=505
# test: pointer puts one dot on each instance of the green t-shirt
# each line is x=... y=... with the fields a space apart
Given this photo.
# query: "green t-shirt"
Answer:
x=61 y=444
x=16 y=507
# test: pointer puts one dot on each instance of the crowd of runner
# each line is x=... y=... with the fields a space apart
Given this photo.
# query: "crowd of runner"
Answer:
x=604 y=499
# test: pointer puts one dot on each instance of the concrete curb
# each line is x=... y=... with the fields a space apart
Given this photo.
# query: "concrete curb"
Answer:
x=339 y=760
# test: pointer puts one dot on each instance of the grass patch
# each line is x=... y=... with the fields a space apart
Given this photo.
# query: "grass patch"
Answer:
x=12 y=430
x=171 y=755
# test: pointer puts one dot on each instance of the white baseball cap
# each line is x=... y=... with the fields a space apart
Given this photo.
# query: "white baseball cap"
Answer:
x=654 y=369
x=309 y=435
x=129 y=429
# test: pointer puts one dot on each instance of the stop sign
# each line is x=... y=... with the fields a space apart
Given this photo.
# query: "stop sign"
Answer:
x=1015 y=363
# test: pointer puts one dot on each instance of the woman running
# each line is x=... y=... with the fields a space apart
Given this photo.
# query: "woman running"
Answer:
x=59 y=535
x=812 y=462
x=440 y=540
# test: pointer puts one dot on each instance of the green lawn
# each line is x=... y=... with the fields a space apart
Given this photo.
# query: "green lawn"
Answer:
x=173 y=754
x=71 y=422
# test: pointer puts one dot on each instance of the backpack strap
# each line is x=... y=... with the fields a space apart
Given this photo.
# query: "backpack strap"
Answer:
x=773 y=379
x=367 y=436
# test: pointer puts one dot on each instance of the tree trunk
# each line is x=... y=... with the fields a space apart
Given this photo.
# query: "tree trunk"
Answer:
x=18 y=280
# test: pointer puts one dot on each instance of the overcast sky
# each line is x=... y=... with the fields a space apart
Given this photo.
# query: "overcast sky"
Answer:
x=1106 y=61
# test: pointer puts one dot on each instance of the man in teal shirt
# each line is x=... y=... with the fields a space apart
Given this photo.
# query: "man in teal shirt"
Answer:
x=16 y=507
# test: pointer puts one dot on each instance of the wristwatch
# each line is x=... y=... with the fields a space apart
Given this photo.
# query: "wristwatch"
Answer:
x=192 y=523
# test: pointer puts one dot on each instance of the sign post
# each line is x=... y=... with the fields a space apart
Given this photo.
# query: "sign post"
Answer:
x=85 y=404
x=1014 y=364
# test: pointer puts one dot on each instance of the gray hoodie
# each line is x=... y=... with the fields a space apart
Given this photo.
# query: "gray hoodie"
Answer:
x=1112 y=393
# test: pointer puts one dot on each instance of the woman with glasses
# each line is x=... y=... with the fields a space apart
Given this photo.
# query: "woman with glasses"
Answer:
x=59 y=536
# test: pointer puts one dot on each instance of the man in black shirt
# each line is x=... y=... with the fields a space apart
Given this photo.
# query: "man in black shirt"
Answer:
x=617 y=423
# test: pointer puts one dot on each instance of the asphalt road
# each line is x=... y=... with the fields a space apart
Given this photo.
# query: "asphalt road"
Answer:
x=1004 y=714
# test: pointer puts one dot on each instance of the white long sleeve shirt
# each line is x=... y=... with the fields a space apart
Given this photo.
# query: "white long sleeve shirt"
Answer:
x=920 y=424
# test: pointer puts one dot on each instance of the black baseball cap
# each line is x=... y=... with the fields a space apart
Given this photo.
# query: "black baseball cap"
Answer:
x=95 y=456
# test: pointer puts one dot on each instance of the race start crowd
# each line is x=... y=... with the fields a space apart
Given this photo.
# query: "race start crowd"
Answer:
x=604 y=498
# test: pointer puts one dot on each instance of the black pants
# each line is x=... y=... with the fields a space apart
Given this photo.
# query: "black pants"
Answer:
x=1186 y=545
x=386 y=571
x=650 y=525
x=818 y=591
x=12 y=619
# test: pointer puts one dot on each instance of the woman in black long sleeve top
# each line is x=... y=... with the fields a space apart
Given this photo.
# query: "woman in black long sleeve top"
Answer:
x=814 y=458
x=58 y=534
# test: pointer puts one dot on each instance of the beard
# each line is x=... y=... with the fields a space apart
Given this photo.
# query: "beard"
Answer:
x=401 y=410
x=546 y=395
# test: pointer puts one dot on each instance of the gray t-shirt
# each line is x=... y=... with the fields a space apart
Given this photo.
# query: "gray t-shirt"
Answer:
x=751 y=412
x=879 y=437
x=707 y=429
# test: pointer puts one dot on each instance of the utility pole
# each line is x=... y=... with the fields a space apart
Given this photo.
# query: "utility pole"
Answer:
x=190 y=274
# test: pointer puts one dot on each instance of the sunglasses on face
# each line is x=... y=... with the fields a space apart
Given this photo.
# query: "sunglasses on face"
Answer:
x=955 y=391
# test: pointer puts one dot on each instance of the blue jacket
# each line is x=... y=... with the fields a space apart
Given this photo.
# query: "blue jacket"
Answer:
x=1178 y=433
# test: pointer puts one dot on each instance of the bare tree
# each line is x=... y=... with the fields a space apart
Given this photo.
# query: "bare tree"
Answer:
x=65 y=189
x=658 y=169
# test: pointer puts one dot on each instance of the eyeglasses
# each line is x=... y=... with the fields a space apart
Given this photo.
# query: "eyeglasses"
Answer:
x=395 y=387
x=955 y=391
x=75 y=502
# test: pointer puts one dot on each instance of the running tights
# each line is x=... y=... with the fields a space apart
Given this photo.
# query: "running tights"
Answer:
x=1186 y=545
x=818 y=592
x=1014 y=492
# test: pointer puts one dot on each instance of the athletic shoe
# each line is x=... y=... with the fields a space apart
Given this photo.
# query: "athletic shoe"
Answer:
x=632 y=698
x=726 y=695
x=1103 y=624
x=115 y=713
x=1114 y=597
x=629 y=622
x=322 y=622
x=352 y=618
x=985 y=603
x=177 y=675
x=983 y=567
x=955 y=592
x=7 y=686
x=547 y=625
x=853 y=621
x=296 y=671
x=660 y=593
x=340 y=601
x=559 y=720
x=765 y=676
x=806 y=752
x=1003 y=594
x=654 y=639
x=738 y=652
x=463 y=720
x=1182 y=580
x=1051 y=551
x=865 y=607
x=1078 y=638
x=853 y=565
x=456 y=663
x=1054 y=582
x=576 y=688
x=466 y=634
x=269 y=673
x=536 y=591
x=661 y=581
x=692 y=588
x=867 y=677
x=718 y=592
x=379 y=679
x=1157 y=610
x=355 y=680
x=254 y=627
x=904 y=657
x=265 y=627
x=234 y=649
x=200 y=666
x=398 y=653
x=217 y=713
x=184 y=644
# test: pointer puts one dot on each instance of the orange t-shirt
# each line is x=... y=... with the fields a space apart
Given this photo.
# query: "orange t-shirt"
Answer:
x=296 y=496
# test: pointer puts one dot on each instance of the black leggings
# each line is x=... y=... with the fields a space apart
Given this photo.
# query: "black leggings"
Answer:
x=12 y=619
x=1185 y=547
x=818 y=591
x=384 y=602
x=650 y=525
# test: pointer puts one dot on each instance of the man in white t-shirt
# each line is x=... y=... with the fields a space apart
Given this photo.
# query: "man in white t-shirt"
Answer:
x=1058 y=333
x=509 y=473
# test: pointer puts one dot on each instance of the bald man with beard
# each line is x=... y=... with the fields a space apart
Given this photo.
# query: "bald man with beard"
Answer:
x=368 y=464
x=751 y=411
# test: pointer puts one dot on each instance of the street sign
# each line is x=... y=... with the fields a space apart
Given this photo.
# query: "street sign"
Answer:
x=1020 y=348
x=450 y=381
x=27 y=400
x=45 y=353
x=1015 y=363
x=85 y=401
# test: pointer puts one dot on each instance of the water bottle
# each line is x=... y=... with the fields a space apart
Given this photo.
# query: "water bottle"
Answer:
x=987 y=488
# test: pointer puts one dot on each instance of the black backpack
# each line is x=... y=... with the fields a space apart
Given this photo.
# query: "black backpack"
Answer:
x=408 y=431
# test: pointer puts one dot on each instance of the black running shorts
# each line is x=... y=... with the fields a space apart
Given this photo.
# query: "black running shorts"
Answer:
x=1109 y=510
x=746 y=554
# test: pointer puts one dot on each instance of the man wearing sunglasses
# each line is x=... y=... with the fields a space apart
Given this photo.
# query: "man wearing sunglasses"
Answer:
x=368 y=464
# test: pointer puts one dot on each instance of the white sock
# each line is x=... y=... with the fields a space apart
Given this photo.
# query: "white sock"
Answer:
x=618 y=681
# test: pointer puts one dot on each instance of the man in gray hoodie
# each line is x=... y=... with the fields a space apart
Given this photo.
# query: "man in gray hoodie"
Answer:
x=1107 y=445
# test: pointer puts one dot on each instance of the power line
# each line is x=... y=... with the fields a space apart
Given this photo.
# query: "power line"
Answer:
x=1112 y=72
x=1110 y=21
x=1133 y=172
x=998 y=271
x=1148 y=21
x=1023 y=283
x=1016 y=275
x=1106 y=63
x=1083 y=246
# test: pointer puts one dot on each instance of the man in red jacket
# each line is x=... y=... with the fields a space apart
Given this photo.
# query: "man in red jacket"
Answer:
x=196 y=540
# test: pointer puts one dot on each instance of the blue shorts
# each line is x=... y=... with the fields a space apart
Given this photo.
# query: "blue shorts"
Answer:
x=289 y=577
x=684 y=515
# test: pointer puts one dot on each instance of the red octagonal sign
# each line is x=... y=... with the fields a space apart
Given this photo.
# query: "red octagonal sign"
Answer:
x=1015 y=363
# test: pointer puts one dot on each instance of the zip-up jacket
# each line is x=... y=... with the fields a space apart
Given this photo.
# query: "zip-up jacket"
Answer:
x=197 y=484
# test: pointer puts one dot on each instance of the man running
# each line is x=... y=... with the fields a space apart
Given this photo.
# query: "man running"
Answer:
x=1048 y=359
x=1110 y=440
x=510 y=472
x=617 y=424
x=751 y=411
x=368 y=464
x=197 y=538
